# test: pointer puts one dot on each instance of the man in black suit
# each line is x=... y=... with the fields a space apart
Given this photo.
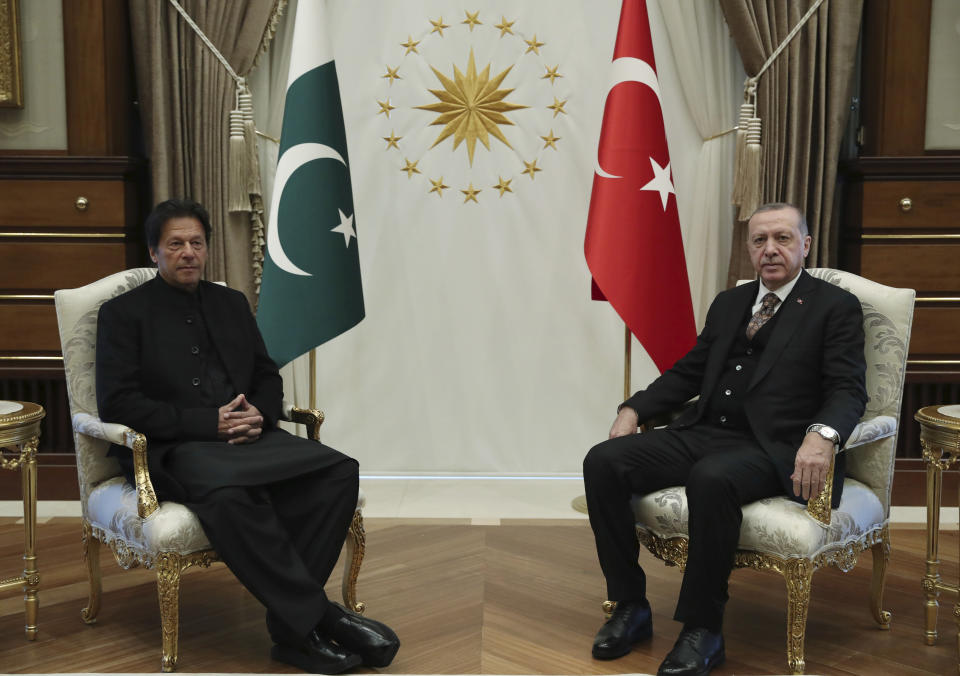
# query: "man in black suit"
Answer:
x=780 y=373
x=182 y=361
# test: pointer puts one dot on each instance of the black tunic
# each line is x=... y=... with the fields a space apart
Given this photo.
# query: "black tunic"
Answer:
x=167 y=359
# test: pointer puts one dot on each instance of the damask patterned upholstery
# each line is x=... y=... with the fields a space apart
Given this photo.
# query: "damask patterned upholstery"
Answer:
x=777 y=531
x=170 y=538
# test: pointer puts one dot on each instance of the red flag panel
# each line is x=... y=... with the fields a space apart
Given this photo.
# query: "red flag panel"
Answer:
x=633 y=244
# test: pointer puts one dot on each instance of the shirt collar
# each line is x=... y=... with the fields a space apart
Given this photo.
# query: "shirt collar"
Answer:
x=781 y=293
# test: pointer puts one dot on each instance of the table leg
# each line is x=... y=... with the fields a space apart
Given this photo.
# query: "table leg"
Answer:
x=932 y=577
x=31 y=578
x=956 y=617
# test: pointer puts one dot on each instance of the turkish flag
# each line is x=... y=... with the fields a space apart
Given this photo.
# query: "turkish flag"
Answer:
x=633 y=244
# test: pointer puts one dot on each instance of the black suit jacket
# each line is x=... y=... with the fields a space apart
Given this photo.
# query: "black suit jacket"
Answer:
x=812 y=370
x=145 y=368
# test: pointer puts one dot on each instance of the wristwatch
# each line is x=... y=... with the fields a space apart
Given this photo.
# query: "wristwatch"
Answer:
x=827 y=433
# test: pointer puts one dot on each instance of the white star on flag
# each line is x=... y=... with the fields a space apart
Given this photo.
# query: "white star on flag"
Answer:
x=345 y=227
x=661 y=182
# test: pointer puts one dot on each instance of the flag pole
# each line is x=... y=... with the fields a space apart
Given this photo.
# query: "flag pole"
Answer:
x=313 y=378
x=626 y=362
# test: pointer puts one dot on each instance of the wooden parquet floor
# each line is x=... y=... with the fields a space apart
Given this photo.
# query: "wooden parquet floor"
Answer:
x=519 y=598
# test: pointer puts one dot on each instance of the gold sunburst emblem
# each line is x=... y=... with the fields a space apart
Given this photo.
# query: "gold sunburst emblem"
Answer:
x=471 y=106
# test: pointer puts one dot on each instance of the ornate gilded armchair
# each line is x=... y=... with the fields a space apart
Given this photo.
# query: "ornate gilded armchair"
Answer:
x=138 y=529
x=784 y=536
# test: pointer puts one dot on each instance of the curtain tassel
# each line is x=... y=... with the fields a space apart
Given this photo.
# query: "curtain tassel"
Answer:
x=238 y=198
x=750 y=170
x=250 y=142
x=746 y=112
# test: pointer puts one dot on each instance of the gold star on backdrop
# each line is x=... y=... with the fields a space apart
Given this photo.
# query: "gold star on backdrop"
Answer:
x=392 y=74
x=550 y=140
x=410 y=45
x=471 y=194
x=438 y=26
x=385 y=107
x=552 y=73
x=503 y=185
x=557 y=106
x=534 y=46
x=471 y=107
x=504 y=26
x=392 y=141
x=472 y=21
x=531 y=169
x=438 y=187
x=411 y=167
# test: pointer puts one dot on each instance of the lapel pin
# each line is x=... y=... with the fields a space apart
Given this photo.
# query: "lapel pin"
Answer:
x=799 y=301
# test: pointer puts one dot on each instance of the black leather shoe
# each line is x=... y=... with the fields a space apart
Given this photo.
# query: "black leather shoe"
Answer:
x=695 y=653
x=375 y=642
x=631 y=622
x=316 y=655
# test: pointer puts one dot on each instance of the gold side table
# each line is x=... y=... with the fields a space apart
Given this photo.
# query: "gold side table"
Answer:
x=20 y=433
x=940 y=440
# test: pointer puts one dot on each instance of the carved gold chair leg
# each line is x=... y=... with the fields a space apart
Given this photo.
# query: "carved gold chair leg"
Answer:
x=169 y=566
x=356 y=547
x=91 y=557
x=798 y=574
x=881 y=557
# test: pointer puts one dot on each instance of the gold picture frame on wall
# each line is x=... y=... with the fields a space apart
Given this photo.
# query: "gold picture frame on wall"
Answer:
x=11 y=74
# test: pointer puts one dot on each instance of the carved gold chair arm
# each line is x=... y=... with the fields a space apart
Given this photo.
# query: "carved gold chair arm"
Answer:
x=147 y=502
x=311 y=417
x=820 y=507
x=92 y=426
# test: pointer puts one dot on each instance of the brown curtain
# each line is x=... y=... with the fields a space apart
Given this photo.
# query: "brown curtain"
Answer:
x=186 y=97
x=803 y=100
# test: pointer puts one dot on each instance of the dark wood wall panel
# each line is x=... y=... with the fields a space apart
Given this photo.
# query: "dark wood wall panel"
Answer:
x=934 y=205
x=924 y=267
x=98 y=77
x=896 y=47
x=49 y=240
x=34 y=265
x=29 y=327
x=936 y=331
x=53 y=203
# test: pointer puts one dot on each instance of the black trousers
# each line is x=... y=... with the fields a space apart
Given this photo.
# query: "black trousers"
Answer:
x=721 y=469
x=282 y=539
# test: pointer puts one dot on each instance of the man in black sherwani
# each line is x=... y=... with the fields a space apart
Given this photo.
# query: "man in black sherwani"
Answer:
x=181 y=360
x=780 y=373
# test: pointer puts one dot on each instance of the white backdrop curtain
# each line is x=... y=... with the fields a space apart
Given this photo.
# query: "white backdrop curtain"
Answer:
x=706 y=64
x=481 y=352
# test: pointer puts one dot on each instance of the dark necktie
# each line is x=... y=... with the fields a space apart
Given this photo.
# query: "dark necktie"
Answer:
x=762 y=315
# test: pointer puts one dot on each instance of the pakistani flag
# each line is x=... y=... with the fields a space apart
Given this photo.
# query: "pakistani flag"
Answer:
x=311 y=288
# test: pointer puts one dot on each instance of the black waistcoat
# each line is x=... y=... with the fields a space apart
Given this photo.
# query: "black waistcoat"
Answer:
x=725 y=406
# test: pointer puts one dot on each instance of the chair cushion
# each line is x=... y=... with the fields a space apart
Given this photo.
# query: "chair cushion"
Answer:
x=112 y=507
x=777 y=526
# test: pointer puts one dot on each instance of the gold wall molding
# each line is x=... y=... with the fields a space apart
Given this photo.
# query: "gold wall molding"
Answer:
x=26 y=296
x=922 y=236
x=70 y=235
x=30 y=357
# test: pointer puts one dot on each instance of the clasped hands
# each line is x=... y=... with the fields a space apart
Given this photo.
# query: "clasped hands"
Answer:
x=810 y=468
x=239 y=421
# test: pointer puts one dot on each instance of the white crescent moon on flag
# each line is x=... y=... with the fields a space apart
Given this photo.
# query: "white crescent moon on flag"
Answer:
x=628 y=69
x=292 y=159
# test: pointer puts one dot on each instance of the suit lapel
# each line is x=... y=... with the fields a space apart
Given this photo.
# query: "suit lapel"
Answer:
x=789 y=319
